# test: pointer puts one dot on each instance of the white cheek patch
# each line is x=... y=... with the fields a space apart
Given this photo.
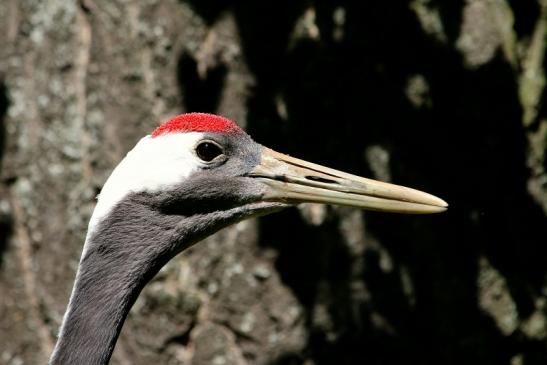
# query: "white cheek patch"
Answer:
x=152 y=165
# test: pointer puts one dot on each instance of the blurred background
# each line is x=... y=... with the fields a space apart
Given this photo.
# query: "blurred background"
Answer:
x=446 y=97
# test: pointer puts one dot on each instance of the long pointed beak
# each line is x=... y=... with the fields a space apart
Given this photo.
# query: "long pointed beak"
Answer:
x=291 y=180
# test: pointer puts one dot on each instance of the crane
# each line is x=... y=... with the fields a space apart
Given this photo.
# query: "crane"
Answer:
x=195 y=174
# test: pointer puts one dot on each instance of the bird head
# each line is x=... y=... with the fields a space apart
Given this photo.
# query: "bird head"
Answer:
x=205 y=170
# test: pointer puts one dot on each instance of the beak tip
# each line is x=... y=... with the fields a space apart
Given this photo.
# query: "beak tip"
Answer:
x=432 y=204
x=436 y=201
x=443 y=204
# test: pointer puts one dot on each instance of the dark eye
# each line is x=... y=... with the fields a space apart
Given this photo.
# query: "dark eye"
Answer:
x=208 y=151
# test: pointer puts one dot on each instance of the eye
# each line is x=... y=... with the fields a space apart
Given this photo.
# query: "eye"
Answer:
x=208 y=151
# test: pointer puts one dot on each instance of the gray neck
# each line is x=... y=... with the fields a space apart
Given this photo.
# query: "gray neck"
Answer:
x=95 y=315
x=140 y=235
x=122 y=254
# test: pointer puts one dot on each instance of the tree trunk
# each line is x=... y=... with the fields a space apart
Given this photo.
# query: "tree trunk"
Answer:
x=446 y=98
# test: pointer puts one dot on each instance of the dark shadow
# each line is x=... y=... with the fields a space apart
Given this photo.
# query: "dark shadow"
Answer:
x=526 y=14
x=288 y=359
x=323 y=259
x=466 y=144
x=209 y=10
x=200 y=93
x=4 y=103
x=5 y=219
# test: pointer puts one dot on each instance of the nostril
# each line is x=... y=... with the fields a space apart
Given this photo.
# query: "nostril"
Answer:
x=281 y=178
x=321 y=179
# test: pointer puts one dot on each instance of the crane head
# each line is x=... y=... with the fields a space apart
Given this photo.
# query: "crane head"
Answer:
x=199 y=163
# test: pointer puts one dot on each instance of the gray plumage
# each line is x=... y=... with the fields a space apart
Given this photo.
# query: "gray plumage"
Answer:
x=142 y=233
x=140 y=228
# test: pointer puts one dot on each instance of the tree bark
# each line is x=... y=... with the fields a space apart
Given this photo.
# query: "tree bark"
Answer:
x=446 y=98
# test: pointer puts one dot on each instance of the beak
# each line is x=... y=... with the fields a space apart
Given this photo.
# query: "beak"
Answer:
x=292 y=181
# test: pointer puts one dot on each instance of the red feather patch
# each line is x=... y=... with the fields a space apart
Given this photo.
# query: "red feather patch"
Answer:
x=197 y=122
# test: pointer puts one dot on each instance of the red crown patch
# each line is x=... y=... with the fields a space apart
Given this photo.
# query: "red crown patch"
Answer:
x=197 y=122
